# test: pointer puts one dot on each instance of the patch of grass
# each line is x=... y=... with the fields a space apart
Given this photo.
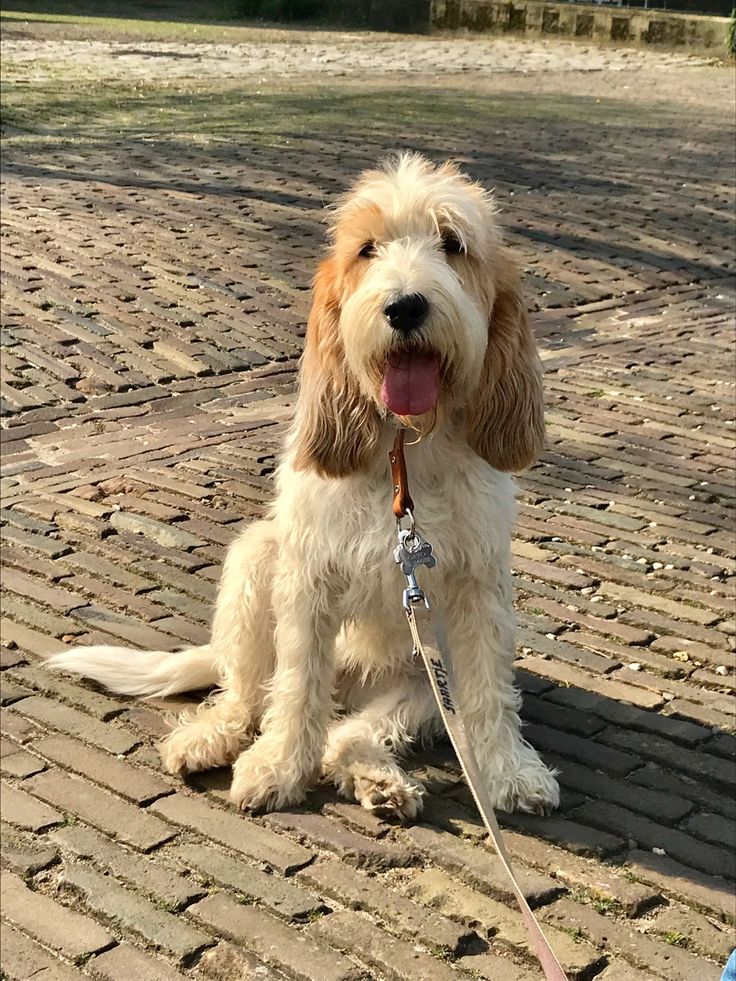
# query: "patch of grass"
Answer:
x=605 y=905
x=314 y=914
x=628 y=874
x=575 y=932
x=675 y=938
x=215 y=21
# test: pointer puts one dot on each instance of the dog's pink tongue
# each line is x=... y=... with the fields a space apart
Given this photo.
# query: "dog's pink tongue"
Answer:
x=411 y=383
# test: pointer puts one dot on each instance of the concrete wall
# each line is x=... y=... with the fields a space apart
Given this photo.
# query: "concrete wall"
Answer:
x=626 y=25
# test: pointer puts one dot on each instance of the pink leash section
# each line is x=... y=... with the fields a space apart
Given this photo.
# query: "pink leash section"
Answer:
x=438 y=663
x=412 y=552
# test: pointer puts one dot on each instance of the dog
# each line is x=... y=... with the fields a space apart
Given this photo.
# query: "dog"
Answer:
x=417 y=321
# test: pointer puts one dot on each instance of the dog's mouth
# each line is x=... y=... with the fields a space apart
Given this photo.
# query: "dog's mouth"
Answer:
x=411 y=382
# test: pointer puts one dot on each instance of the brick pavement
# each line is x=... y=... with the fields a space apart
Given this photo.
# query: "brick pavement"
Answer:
x=155 y=297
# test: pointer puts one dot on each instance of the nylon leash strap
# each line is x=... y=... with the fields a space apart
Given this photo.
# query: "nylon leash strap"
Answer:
x=430 y=643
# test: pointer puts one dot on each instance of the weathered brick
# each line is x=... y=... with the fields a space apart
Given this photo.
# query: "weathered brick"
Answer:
x=121 y=906
x=24 y=960
x=494 y=967
x=233 y=830
x=16 y=762
x=578 y=838
x=351 y=847
x=137 y=784
x=36 y=618
x=479 y=867
x=94 y=703
x=683 y=689
x=157 y=879
x=51 y=548
x=15 y=726
x=619 y=970
x=11 y=658
x=104 y=569
x=607 y=627
x=284 y=898
x=10 y=691
x=681 y=846
x=169 y=536
x=124 y=628
x=102 y=810
x=438 y=891
x=126 y=963
x=550 y=573
x=57 y=927
x=226 y=962
x=700 y=932
x=560 y=717
x=678 y=784
x=582 y=750
x=559 y=650
x=396 y=959
x=21 y=809
x=366 y=822
x=722 y=773
x=711 y=827
x=601 y=685
x=662 y=959
x=684 y=883
x=632 y=717
x=333 y=879
x=274 y=942
x=597 y=879
x=57 y=597
x=25 y=854
x=669 y=808
x=69 y=720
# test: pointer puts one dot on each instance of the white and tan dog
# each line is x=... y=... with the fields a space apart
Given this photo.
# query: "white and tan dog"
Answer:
x=417 y=317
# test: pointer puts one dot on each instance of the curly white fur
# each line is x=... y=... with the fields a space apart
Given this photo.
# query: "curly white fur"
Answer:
x=309 y=643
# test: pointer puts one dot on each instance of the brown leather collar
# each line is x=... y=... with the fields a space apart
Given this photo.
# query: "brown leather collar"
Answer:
x=402 y=498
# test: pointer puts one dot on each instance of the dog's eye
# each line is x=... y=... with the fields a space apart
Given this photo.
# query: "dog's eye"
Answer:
x=452 y=245
x=368 y=250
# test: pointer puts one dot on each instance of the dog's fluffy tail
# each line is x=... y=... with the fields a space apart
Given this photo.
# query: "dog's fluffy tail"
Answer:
x=151 y=673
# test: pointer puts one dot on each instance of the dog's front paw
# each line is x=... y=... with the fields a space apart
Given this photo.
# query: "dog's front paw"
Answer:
x=387 y=791
x=532 y=787
x=265 y=784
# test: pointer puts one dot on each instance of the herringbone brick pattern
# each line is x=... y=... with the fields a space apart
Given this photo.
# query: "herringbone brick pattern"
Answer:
x=155 y=294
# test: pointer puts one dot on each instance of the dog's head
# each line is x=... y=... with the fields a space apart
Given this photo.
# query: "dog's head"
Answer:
x=417 y=314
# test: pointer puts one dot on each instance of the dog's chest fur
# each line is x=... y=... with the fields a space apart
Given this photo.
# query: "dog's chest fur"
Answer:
x=463 y=506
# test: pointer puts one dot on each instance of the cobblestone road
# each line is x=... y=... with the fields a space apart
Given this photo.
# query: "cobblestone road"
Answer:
x=161 y=223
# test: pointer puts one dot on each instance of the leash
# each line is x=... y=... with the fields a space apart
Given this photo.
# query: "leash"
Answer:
x=430 y=643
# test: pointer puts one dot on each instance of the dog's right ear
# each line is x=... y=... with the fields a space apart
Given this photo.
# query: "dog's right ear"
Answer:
x=506 y=426
x=336 y=426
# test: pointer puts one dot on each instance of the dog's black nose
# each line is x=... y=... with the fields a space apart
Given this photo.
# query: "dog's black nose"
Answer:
x=407 y=312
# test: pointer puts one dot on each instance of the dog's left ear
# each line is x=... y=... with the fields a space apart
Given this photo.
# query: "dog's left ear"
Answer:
x=336 y=427
x=506 y=424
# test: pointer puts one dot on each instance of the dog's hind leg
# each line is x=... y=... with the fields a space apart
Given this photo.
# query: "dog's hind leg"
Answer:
x=242 y=642
x=361 y=749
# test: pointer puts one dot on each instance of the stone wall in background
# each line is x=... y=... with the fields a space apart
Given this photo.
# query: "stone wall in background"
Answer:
x=609 y=23
x=605 y=24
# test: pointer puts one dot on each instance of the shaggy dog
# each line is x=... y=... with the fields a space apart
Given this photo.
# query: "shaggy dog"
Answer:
x=417 y=321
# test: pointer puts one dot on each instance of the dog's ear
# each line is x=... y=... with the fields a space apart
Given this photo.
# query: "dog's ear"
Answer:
x=506 y=423
x=336 y=426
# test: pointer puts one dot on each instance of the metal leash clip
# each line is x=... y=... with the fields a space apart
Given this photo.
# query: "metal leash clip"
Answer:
x=412 y=551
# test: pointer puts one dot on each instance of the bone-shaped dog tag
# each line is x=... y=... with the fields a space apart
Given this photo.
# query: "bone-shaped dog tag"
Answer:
x=413 y=551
